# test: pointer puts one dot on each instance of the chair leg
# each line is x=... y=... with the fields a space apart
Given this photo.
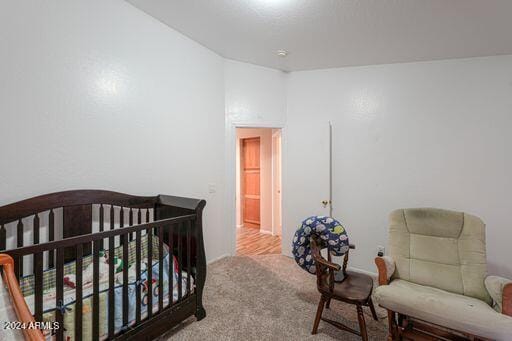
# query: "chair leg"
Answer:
x=362 y=323
x=318 y=315
x=391 y=326
x=328 y=305
x=372 y=308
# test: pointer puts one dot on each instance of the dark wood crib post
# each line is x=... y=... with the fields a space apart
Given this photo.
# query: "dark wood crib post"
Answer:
x=171 y=206
x=201 y=261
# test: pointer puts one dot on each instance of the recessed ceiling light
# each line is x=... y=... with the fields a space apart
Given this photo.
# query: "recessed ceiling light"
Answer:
x=282 y=53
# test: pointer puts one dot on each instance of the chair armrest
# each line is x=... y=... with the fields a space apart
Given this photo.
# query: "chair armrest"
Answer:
x=500 y=289
x=386 y=268
x=17 y=300
x=507 y=299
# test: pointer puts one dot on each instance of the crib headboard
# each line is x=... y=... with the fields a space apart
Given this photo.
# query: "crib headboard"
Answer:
x=76 y=205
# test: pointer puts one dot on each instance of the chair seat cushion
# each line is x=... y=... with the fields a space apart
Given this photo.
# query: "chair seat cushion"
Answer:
x=445 y=309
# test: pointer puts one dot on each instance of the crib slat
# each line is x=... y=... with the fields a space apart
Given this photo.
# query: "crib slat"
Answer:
x=139 y=216
x=102 y=223
x=130 y=222
x=17 y=268
x=171 y=263
x=112 y=217
x=102 y=218
x=38 y=283
x=125 y=279
x=121 y=224
x=189 y=267
x=78 y=293
x=180 y=260
x=35 y=234
x=137 y=270
x=147 y=215
x=150 y=271
x=96 y=288
x=160 y=269
x=2 y=238
x=111 y=307
x=19 y=240
x=59 y=289
x=36 y=229
x=51 y=237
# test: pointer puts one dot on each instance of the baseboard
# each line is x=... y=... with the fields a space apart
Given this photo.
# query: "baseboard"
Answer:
x=218 y=258
x=265 y=231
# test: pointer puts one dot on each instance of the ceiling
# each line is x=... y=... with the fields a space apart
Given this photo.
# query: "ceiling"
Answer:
x=334 y=33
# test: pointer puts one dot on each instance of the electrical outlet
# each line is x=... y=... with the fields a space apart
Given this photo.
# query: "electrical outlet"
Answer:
x=212 y=188
x=381 y=250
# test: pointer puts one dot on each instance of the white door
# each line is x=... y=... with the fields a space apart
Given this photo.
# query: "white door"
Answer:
x=276 y=182
x=305 y=172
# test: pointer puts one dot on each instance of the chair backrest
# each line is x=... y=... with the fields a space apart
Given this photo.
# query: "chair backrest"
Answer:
x=324 y=268
x=440 y=248
x=322 y=271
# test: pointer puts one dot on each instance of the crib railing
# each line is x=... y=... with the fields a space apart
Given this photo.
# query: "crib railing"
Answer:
x=30 y=329
x=179 y=233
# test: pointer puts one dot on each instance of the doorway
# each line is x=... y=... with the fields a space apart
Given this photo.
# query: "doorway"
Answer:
x=250 y=180
x=258 y=191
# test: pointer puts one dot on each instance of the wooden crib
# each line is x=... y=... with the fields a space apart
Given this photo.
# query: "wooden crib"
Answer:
x=74 y=229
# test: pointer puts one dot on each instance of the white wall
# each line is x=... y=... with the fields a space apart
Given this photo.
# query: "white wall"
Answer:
x=409 y=135
x=266 y=176
x=97 y=94
x=255 y=96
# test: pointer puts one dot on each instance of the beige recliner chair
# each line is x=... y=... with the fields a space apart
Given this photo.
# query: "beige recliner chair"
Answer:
x=434 y=280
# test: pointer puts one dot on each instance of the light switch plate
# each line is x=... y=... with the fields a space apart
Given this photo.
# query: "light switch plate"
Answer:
x=212 y=188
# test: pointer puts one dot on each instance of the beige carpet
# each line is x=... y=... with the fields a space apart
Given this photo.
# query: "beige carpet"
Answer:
x=267 y=297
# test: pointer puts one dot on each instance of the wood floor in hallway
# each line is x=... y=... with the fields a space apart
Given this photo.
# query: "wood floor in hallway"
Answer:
x=249 y=242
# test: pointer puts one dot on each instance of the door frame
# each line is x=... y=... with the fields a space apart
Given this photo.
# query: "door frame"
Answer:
x=230 y=193
x=277 y=223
